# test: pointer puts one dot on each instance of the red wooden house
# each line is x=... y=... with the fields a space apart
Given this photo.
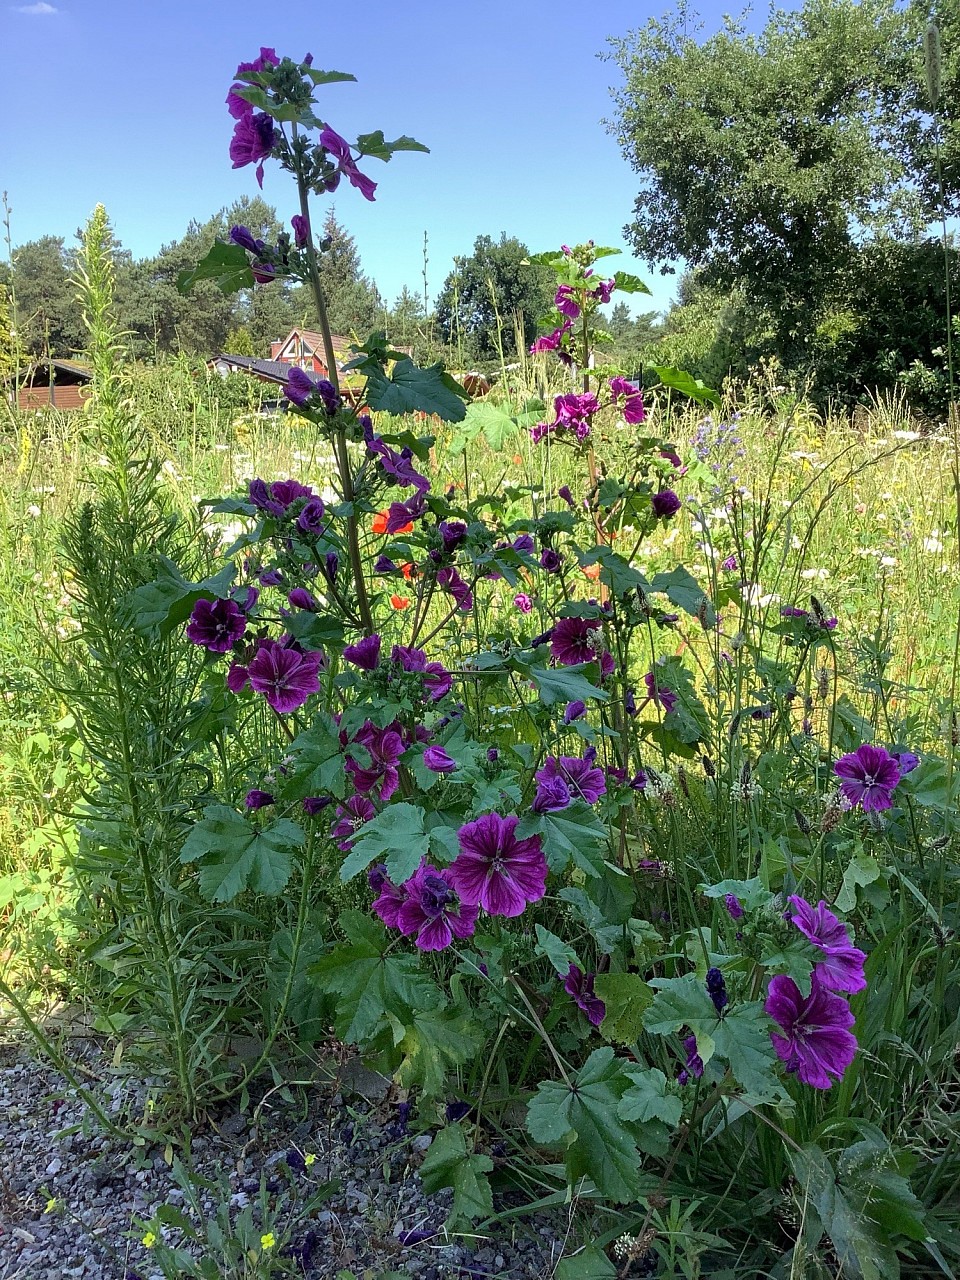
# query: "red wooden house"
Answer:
x=56 y=384
x=304 y=347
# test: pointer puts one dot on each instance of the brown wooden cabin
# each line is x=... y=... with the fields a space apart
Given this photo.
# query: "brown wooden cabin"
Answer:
x=56 y=384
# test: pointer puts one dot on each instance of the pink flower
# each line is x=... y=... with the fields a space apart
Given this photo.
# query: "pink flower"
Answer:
x=523 y=602
x=495 y=870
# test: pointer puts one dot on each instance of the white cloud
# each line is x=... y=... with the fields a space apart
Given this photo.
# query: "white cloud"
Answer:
x=40 y=9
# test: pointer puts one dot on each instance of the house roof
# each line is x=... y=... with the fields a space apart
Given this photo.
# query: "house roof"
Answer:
x=274 y=370
x=314 y=340
x=78 y=371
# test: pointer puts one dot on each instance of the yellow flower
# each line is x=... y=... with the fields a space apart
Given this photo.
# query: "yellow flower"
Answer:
x=309 y=1160
x=268 y=1241
x=149 y=1240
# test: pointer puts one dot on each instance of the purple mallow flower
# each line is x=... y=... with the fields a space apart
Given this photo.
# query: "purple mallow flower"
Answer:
x=258 y=799
x=659 y=694
x=451 y=581
x=817 y=1043
x=217 y=625
x=452 y=533
x=633 y=410
x=868 y=777
x=384 y=748
x=565 y=302
x=694 y=1065
x=550 y=560
x=437 y=680
x=301 y=230
x=310 y=520
x=312 y=805
x=496 y=870
x=365 y=654
x=573 y=711
x=523 y=602
x=277 y=498
x=284 y=675
x=583 y=780
x=433 y=911
x=339 y=148
x=254 y=137
x=579 y=985
x=575 y=640
x=302 y=390
x=665 y=504
x=391 y=897
x=437 y=760
x=351 y=816
x=239 y=107
x=300 y=598
x=906 y=761
x=564 y=493
x=842 y=966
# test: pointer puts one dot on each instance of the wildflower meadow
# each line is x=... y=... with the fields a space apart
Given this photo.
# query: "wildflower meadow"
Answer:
x=580 y=761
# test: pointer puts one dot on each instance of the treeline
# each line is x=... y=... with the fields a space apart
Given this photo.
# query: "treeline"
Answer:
x=801 y=174
x=489 y=301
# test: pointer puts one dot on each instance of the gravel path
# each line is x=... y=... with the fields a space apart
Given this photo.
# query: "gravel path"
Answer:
x=52 y=1149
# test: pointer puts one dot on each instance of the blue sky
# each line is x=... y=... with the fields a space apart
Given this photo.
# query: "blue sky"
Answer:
x=122 y=101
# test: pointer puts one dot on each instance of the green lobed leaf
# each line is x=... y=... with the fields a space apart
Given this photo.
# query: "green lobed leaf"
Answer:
x=236 y=855
x=493 y=423
x=582 y=1117
x=563 y=684
x=558 y=952
x=572 y=835
x=627 y=998
x=590 y=1264
x=410 y=389
x=167 y=602
x=627 y=283
x=742 y=1040
x=328 y=77
x=227 y=265
x=450 y=1163
x=374 y=144
x=374 y=990
x=435 y=1043
x=680 y=380
x=682 y=589
x=317 y=765
x=395 y=836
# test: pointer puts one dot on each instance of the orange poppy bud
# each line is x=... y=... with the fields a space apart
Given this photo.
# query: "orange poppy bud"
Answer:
x=379 y=522
x=399 y=602
x=592 y=571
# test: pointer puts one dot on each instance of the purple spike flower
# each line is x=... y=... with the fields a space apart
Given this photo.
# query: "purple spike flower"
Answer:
x=495 y=869
x=817 y=1043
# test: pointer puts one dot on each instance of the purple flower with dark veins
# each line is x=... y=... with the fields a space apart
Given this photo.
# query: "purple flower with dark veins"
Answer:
x=254 y=137
x=392 y=897
x=438 y=761
x=868 y=777
x=301 y=230
x=310 y=520
x=734 y=906
x=351 y=816
x=217 y=625
x=574 y=641
x=285 y=676
x=300 y=598
x=433 y=911
x=579 y=985
x=553 y=794
x=496 y=870
x=258 y=799
x=817 y=1043
x=659 y=694
x=550 y=560
x=842 y=966
x=365 y=654
x=583 y=779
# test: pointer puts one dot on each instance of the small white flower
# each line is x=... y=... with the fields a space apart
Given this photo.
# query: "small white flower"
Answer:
x=888 y=562
x=906 y=435
x=809 y=574
x=932 y=545
x=33 y=510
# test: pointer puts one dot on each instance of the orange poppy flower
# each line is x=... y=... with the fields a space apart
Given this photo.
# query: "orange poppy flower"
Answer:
x=592 y=571
x=407 y=571
x=399 y=602
x=380 y=524
x=517 y=460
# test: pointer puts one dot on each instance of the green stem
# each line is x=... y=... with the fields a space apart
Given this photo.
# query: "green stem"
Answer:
x=339 y=437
